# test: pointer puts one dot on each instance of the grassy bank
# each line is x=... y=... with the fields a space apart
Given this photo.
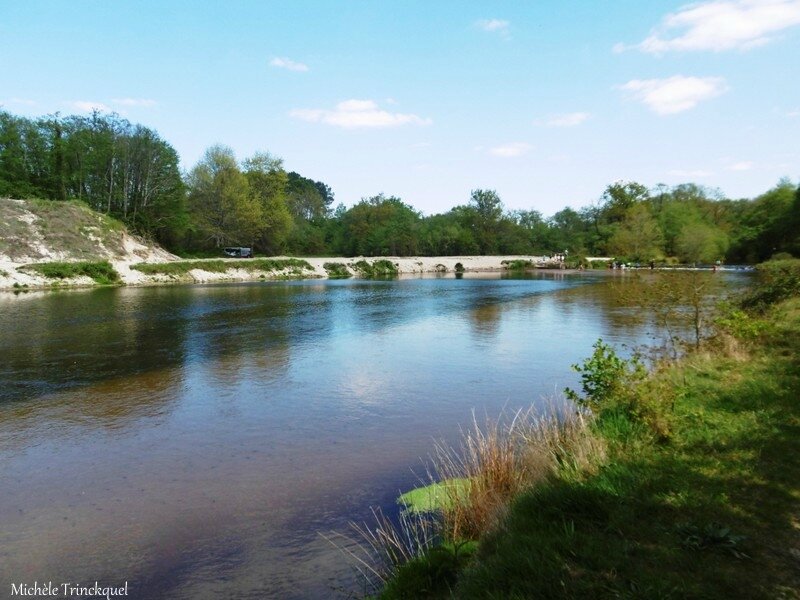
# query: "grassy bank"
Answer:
x=293 y=265
x=101 y=272
x=682 y=484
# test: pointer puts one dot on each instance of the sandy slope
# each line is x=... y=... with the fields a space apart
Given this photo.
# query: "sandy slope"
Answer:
x=136 y=252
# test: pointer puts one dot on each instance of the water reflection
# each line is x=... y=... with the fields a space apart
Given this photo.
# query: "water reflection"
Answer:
x=194 y=440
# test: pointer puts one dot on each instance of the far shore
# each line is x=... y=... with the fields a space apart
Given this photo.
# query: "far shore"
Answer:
x=12 y=278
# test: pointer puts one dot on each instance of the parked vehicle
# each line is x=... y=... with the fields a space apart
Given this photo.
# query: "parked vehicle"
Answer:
x=236 y=252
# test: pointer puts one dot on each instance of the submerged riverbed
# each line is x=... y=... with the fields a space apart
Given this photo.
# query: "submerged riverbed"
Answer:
x=195 y=440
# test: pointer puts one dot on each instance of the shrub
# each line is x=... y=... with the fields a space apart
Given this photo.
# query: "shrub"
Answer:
x=459 y=268
x=777 y=280
x=378 y=268
x=337 y=270
x=517 y=265
x=615 y=387
x=101 y=272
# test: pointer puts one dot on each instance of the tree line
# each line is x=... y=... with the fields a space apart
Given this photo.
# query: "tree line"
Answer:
x=128 y=171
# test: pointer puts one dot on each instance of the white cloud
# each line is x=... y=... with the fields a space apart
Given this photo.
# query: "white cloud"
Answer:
x=494 y=25
x=690 y=173
x=288 y=64
x=510 y=150
x=87 y=106
x=721 y=25
x=742 y=165
x=674 y=94
x=793 y=113
x=135 y=102
x=352 y=114
x=565 y=120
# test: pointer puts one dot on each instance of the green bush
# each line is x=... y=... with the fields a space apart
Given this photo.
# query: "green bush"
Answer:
x=337 y=270
x=379 y=268
x=517 y=265
x=182 y=267
x=777 y=280
x=101 y=272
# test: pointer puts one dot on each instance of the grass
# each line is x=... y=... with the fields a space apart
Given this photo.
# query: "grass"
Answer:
x=70 y=228
x=517 y=265
x=337 y=270
x=706 y=506
x=376 y=269
x=710 y=514
x=295 y=265
x=101 y=272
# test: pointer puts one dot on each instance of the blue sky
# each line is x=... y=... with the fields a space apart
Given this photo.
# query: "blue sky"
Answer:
x=547 y=102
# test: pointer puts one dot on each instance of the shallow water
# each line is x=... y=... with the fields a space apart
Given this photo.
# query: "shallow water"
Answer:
x=195 y=440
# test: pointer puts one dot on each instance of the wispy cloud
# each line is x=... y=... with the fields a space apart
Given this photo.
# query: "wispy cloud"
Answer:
x=564 y=120
x=674 y=94
x=499 y=26
x=720 y=25
x=134 y=102
x=89 y=106
x=352 y=114
x=288 y=64
x=793 y=113
x=742 y=165
x=510 y=150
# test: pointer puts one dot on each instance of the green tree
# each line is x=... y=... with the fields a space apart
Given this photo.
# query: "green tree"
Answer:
x=701 y=243
x=267 y=181
x=638 y=237
x=222 y=208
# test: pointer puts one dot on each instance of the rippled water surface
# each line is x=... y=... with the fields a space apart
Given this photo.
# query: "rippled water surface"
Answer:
x=194 y=441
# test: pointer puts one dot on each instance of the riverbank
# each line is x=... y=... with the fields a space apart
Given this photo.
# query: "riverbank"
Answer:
x=696 y=494
x=161 y=269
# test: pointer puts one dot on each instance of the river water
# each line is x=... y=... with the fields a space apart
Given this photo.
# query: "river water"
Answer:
x=195 y=441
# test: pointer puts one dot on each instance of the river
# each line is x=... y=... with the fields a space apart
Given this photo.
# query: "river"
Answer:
x=195 y=441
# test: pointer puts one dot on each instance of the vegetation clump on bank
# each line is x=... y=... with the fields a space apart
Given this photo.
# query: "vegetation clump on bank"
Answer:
x=376 y=269
x=680 y=481
x=294 y=265
x=336 y=270
x=101 y=272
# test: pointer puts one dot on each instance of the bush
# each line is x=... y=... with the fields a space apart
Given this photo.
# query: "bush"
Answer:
x=379 y=268
x=101 y=272
x=517 y=265
x=337 y=270
x=777 y=280
x=615 y=387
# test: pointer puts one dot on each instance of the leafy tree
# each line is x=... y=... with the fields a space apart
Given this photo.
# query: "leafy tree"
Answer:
x=701 y=243
x=486 y=210
x=267 y=181
x=638 y=236
x=222 y=207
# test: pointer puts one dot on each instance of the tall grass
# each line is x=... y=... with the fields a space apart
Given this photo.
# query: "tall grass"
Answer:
x=471 y=486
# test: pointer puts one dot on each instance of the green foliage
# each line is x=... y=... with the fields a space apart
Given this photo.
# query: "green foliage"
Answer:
x=711 y=536
x=376 y=269
x=116 y=167
x=517 y=265
x=337 y=270
x=606 y=379
x=221 y=266
x=622 y=532
x=101 y=272
x=432 y=575
x=777 y=280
